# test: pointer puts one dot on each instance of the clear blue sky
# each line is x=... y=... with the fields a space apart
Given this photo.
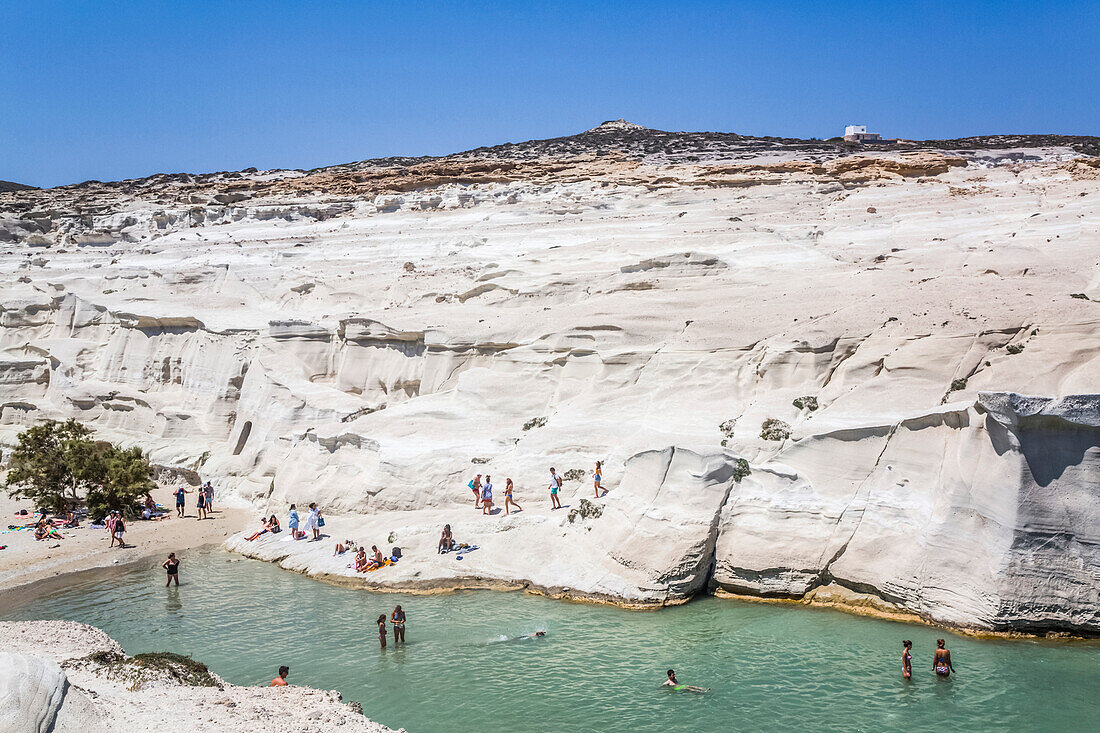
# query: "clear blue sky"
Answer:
x=110 y=90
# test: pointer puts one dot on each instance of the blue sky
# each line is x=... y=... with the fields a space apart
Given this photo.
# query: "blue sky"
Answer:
x=110 y=90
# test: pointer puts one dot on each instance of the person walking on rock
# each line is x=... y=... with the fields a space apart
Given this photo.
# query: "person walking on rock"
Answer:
x=555 y=486
x=475 y=486
x=487 y=496
x=508 y=500
x=596 y=478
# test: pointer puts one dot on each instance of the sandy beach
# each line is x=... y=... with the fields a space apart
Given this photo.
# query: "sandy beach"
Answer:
x=26 y=560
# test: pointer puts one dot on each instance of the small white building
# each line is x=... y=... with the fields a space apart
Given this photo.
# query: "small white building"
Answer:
x=859 y=134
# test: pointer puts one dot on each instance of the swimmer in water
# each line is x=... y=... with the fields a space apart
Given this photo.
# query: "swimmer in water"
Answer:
x=536 y=635
x=906 y=659
x=674 y=684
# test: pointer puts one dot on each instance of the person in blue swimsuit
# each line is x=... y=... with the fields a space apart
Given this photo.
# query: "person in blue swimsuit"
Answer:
x=180 y=495
x=596 y=478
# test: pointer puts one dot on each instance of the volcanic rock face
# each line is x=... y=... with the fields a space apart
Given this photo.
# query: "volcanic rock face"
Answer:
x=357 y=335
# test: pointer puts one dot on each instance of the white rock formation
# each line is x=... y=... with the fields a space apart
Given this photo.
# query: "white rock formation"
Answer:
x=31 y=692
x=357 y=335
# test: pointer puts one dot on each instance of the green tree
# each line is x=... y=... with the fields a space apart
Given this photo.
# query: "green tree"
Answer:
x=126 y=476
x=42 y=465
x=54 y=463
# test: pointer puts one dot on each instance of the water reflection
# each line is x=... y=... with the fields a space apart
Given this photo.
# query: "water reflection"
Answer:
x=173 y=603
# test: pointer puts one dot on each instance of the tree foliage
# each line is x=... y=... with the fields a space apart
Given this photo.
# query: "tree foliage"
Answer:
x=58 y=465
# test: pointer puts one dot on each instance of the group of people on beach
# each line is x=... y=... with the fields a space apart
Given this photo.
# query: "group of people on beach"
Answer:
x=483 y=491
x=204 y=503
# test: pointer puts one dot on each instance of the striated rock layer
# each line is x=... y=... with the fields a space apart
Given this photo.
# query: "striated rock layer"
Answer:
x=368 y=336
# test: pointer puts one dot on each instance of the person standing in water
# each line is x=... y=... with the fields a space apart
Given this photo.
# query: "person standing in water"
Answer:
x=906 y=659
x=941 y=660
x=555 y=485
x=280 y=681
x=475 y=486
x=675 y=684
x=292 y=521
x=382 y=630
x=172 y=565
x=397 y=618
x=597 y=478
x=508 y=500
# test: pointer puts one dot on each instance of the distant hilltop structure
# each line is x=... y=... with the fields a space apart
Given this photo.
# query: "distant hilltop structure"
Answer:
x=859 y=134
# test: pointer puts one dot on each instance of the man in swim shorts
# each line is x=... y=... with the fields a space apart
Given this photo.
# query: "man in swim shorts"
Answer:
x=675 y=684
x=180 y=493
x=280 y=681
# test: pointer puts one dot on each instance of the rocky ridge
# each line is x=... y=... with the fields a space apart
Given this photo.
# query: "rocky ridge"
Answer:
x=851 y=323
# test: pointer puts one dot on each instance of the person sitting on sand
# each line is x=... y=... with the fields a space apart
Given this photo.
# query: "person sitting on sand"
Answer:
x=71 y=521
x=675 y=684
x=941 y=660
x=149 y=503
x=361 y=561
x=446 y=540
x=280 y=681
x=342 y=547
x=40 y=530
x=273 y=525
x=906 y=659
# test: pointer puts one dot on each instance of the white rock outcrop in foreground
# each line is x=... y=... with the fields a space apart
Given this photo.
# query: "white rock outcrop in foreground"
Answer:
x=358 y=335
x=39 y=658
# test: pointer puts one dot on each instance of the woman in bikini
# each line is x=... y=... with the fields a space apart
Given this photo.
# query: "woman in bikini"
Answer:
x=446 y=540
x=941 y=660
x=397 y=618
x=382 y=630
x=361 y=562
x=597 y=478
x=906 y=659
x=508 y=500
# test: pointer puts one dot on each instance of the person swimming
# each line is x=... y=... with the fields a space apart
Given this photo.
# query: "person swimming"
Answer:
x=941 y=660
x=675 y=684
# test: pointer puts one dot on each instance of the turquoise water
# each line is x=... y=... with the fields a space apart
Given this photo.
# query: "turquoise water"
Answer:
x=598 y=668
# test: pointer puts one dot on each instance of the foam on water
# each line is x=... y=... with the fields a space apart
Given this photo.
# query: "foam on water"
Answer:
x=597 y=668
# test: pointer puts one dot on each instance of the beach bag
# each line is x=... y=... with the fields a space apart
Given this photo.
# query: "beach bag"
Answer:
x=396 y=552
x=320 y=521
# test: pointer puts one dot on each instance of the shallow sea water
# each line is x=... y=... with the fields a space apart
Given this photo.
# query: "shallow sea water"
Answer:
x=769 y=667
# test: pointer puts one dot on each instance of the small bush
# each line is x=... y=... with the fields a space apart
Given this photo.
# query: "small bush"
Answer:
x=958 y=384
x=1079 y=296
x=1014 y=348
x=809 y=402
x=740 y=469
x=479 y=461
x=586 y=510
x=535 y=422
x=573 y=474
x=184 y=669
x=772 y=429
x=727 y=427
